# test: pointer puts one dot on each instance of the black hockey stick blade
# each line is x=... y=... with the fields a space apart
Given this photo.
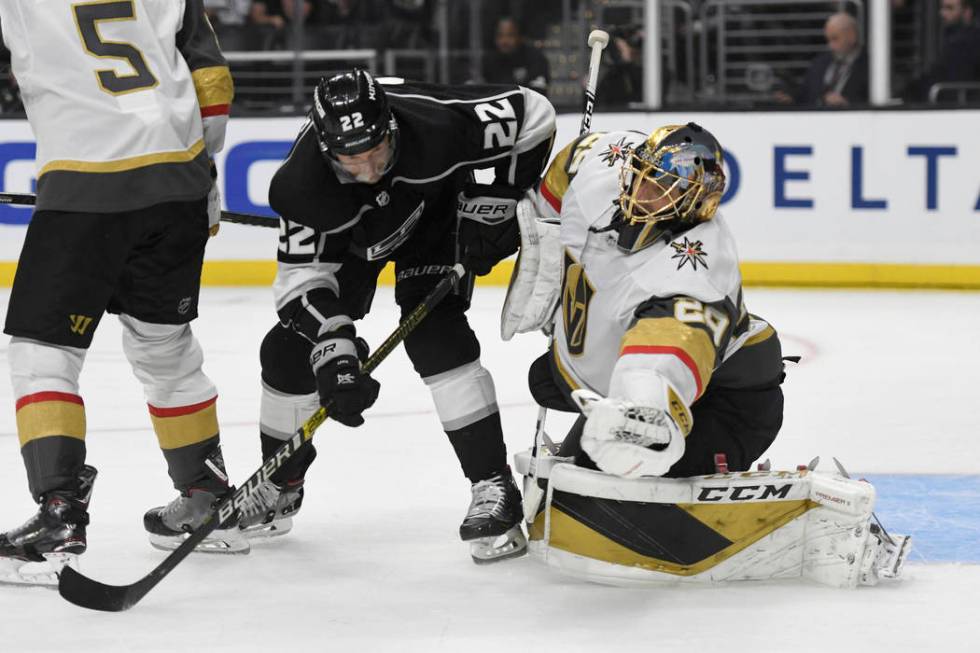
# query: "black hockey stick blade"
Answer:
x=87 y=593
x=84 y=592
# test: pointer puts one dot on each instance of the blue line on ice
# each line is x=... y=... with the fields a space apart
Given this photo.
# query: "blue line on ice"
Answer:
x=940 y=511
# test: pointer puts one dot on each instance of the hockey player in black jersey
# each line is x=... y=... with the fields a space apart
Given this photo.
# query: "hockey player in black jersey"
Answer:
x=384 y=172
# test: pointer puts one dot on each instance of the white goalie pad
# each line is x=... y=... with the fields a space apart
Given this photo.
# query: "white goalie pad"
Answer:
x=710 y=529
x=535 y=284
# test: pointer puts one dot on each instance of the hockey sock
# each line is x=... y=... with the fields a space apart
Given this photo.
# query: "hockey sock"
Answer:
x=295 y=468
x=480 y=448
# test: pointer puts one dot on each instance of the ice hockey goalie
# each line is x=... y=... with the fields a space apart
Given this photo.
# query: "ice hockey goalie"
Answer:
x=676 y=383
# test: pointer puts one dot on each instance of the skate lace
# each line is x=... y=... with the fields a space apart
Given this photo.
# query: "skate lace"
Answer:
x=182 y=512
x=264 y=497
x=488 y=497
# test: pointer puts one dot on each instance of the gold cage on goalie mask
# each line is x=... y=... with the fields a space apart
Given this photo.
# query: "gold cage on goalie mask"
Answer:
x=675 y=174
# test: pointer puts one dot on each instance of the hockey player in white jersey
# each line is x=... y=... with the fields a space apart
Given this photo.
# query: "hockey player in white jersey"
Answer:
x=128 y=100
x=654 y=339
x=678 y=385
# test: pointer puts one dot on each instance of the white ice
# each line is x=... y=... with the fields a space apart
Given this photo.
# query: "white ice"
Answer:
x=888 y=384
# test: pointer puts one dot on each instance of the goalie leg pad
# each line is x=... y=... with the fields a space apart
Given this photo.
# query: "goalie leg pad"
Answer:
x=710 y=529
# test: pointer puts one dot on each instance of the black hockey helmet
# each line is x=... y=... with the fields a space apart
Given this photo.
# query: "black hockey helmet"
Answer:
x=351 y=113
x=684 y=164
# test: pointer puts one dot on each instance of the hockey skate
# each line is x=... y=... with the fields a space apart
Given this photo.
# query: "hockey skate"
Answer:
x=493 y=522
x=168 y=526
x=271 y=513
x=35 y=553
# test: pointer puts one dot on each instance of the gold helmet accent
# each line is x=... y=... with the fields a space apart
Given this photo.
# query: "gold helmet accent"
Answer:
x=675 y=174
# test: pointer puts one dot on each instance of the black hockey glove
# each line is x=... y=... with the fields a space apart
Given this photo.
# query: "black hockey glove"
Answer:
x=340 y=381
x=488 y=231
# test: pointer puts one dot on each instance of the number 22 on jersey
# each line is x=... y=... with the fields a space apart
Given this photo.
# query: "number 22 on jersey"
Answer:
x=88 y=15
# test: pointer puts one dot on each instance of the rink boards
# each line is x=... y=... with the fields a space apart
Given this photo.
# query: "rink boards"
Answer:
x=859 y=199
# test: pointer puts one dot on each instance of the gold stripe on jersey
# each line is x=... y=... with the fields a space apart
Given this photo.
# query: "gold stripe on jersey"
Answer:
x=122 y=165
x=214 y=86
x=556 y=179
x=667 y=335
x=762 y=336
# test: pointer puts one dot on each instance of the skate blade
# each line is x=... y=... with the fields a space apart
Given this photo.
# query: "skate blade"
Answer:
x=227 y=541
x=265 y=532
x=26 y=573
x=487 y=550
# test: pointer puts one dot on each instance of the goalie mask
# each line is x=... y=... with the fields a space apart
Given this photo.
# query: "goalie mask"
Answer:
x=671 y=182
x=354 y=125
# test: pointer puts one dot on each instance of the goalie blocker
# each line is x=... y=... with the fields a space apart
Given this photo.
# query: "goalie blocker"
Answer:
x=708 y=529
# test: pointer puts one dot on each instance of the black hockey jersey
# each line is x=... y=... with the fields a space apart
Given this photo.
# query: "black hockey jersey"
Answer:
x=444 y=134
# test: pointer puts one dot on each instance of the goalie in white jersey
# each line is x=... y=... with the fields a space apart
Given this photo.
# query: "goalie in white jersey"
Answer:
x=674 y=377
x=678 y=385
x=128 y=100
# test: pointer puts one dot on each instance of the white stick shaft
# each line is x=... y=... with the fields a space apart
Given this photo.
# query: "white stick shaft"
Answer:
x=590 y=86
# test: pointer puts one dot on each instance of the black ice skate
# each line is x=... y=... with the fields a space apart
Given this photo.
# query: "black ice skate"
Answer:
x=493 y=522
x=35 y=553
x=271 y=513
x=169 y=525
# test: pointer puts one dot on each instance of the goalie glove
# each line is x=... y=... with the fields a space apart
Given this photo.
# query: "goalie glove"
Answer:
x=628 y=440
x=488 y=232
x=339 y=380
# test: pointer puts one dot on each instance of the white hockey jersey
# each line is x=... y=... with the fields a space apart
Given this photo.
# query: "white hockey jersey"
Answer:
x=115 y=92
x=674 y=308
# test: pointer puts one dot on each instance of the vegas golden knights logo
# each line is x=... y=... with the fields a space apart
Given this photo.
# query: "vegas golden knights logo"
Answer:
x=576 y=295
x=79 y=323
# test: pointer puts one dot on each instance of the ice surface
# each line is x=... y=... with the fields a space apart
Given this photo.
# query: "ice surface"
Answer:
x=888 y=385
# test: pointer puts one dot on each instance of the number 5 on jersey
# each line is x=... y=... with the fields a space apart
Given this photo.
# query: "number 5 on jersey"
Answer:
x=87 y=17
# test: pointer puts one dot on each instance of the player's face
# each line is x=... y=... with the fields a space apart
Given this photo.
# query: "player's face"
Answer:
x=507 y=38
x=368 y=167
x=841 y=39
x=951 y=11
x=654 y=196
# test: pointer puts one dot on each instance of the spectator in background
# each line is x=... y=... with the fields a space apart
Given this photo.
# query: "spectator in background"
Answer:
x=272 y=17
x=346 y=24
x=229 y=18
x=839 y=77
x=9 y=91
x=514 y=61
x=959 y=60
x=622 y=82
x=408 y=23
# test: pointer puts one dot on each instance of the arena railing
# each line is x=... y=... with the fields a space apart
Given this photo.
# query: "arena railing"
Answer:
x=282 y=81
x=965 y=92
x=750 y=47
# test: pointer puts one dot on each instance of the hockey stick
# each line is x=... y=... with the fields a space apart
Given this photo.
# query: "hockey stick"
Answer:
x=598 y=39
x=26 y=199
x=88 y=593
